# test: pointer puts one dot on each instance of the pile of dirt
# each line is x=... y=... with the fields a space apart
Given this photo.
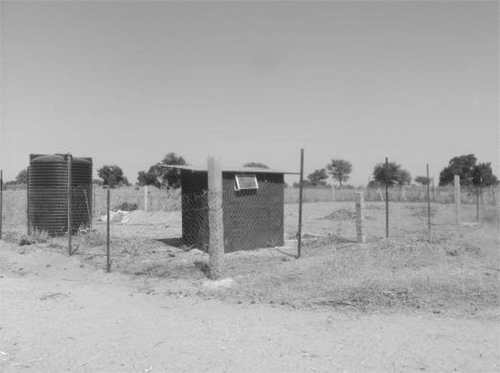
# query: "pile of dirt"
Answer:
x=341 y=214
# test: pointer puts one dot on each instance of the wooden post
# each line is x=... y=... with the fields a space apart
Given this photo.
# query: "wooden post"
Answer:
x=433 y=192
x=215 y=223
x=28 y=203
x=457 y=199
x=301 y=190
x=93 y=202
x=145 y=198
x=429 y=202
x=387 y=197
x=1 y=202
x=108 y=260
x=70 y=207
x=360 y=217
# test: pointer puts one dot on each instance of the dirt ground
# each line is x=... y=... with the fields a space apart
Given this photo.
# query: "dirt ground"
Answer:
x=59 y=315
x=65 y=314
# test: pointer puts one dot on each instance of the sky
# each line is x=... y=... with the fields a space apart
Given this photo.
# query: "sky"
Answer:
x=126 y=82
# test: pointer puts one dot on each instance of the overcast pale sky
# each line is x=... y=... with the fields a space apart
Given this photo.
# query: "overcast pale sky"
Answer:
x=126 y=82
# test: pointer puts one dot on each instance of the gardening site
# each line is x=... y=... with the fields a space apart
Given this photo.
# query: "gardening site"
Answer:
x=422 y=298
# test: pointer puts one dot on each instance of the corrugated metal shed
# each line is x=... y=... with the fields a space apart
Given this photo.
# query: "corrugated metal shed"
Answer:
x=252 y=218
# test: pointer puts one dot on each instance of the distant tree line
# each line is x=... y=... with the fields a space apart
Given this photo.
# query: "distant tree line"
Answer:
x=470 y=172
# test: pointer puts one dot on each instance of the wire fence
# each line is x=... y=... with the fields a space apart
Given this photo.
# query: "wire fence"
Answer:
x=267 y=217
x=142 y=200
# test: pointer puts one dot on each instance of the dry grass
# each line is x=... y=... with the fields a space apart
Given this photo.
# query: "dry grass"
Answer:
x=390 y=274
x=14 y=207
x=454 y=274
x=457 y=272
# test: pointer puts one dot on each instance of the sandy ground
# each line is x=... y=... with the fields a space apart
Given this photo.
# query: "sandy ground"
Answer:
x=58 y=315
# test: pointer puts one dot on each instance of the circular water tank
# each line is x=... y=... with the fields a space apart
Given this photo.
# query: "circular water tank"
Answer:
x=48 y=193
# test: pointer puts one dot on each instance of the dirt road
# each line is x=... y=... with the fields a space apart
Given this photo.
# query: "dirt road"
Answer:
x=60 y=316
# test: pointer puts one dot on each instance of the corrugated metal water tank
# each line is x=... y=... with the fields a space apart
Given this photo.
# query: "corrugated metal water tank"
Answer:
x=48 y=193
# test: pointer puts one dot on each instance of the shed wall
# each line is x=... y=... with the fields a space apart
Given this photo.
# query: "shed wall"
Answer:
x=252 y=218
x=195 y=230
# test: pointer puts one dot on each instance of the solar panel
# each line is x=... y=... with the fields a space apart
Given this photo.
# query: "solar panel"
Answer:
x=244 y=182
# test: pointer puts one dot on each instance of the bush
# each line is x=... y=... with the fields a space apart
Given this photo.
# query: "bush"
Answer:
x=127 y=206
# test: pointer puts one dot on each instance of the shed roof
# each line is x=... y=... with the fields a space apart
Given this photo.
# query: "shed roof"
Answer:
x=255 y=170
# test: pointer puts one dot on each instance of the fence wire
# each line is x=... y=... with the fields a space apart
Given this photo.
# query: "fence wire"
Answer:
x=252 y=218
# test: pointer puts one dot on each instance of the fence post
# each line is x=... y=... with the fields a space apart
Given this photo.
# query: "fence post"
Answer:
x=360 y=217
x=108 y=261
x=70 y=207
x=145 y=198
x=387 y=197
x=301 y=190
x=28 y=203
x=215 y=223
x=1 y=202
x=457 y=199
x=429 y=202
x=433 y=191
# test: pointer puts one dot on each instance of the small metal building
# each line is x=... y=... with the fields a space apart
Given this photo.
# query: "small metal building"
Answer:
x=252 y=207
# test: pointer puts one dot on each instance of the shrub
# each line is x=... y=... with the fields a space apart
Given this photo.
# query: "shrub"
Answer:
x=127 y=206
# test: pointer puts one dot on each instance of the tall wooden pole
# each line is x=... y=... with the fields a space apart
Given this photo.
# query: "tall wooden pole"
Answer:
x=108 y=260
x=215 y=222
x=301 y=182
x=70 y=207
x=1 y=202
x=28 y=227
x=429 y=201
x=387 y=197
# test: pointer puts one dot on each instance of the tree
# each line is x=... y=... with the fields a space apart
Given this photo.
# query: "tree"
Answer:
x=161 y=176
x=462 y=166
x=22 y=177
x=111 y=175
x=255 y=164
x=423 y=180
x=470 y=173
x=340 y=170
x=482 y=175
x=318 y=178
x=375 y=184
x=393 y=175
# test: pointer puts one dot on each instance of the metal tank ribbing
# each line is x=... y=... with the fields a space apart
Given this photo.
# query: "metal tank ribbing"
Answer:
x=48 y=193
